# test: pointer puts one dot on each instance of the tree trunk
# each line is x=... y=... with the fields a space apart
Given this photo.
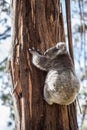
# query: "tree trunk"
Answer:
x=39 y=24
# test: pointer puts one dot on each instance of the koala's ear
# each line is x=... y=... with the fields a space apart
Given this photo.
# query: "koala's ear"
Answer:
x=57 y=45
x=60 y=44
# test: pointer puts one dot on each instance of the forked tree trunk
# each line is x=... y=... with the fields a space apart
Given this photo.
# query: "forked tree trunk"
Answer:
x=39 y=24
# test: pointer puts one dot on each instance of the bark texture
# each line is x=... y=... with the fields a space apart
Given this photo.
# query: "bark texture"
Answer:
x=39 y=24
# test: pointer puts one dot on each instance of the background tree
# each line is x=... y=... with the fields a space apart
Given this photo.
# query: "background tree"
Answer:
x=79 y=27
x=36 y=24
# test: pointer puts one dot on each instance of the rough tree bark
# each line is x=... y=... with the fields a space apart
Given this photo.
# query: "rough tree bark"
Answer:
x=39 y=24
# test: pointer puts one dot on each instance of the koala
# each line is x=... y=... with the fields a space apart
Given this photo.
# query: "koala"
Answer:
x=61 y=84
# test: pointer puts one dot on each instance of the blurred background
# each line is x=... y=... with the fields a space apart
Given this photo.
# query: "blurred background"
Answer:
x=79 y=33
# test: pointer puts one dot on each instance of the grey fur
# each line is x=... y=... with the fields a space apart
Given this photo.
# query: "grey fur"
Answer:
x=61 y=84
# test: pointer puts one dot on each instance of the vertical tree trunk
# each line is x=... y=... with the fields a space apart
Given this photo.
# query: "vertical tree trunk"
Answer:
x=39 y=24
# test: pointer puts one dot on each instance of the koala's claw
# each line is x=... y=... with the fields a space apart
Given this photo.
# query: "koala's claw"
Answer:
x=31 y=50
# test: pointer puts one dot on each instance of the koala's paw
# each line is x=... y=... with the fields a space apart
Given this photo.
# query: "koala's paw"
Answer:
x=32 y=50
x=48 y=101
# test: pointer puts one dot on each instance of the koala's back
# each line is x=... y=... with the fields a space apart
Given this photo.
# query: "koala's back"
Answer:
x=61 y=62
x=61 y=85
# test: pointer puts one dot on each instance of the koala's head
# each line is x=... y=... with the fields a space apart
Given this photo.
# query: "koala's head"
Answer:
x=59 y=49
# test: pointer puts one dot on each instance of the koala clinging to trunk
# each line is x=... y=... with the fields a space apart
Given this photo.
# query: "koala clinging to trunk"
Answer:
x=61 y=84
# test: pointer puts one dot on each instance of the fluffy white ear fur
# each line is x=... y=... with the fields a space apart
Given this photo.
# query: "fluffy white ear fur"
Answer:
x=59 y=44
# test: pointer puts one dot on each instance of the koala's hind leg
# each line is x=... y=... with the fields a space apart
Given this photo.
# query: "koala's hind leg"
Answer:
x=47 y=95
